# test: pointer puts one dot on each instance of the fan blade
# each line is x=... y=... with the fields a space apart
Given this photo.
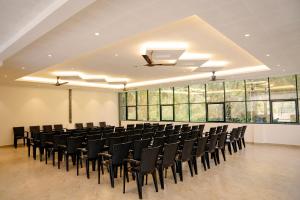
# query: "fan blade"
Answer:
x=148 y=60
x=64 y=83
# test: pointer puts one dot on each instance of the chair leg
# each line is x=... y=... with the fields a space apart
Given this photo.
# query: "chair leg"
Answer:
x=203 y=162
x=34 y=152
x=191 y=168
x=217 y=155
x=215 y=158
x=229 y=148
x=111 y=173
x=243 y=140
x=154 y=176
x=174 y=173
x=223 y=153
x=195 y=165
x=77 y=165
x=24 y=141
x=15 y=143
x=46 y=155
x=53 y=158
x=180 y=170
x=87 y=166
x=234 y=147
x=139 y=185
x=58 y=158
x=93 y=165
x=161 y=176
x=67 y=162
x=99 y=166
x=124 y=177
x=28 y=146
x=41 y=154
x=239 y=144
x=207 y=160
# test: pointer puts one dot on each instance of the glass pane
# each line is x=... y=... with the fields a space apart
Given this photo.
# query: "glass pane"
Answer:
x=122 y=113
x=284 y=111
x=258 y=112
x=215 y=92
x=166 y=95
x=131 y=113
x=197 y=93
x=122 y=98
x=154 y=113
x=215 y=112
x=182 y=112
x=257 y=89
x=131 y=98
x=235 y=91
x=142 y=97
x=167 y=113
x=142 y=113
x=153 y=97
x=198 y=112
x=283 y=87
x=181 y=95
x=235 y=112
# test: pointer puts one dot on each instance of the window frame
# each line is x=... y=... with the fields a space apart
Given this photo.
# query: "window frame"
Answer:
x=284 y=100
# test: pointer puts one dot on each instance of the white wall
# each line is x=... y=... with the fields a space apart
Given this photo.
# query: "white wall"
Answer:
x=260 y=133
x=25 y=106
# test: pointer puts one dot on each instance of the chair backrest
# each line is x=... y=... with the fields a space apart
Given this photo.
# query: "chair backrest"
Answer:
x=94 y=147
x=139 y=126
x=233 y=134
x=225 y=127
x=46 y=137
x=116 y=140
x=102 y=124
x=184 y=136
x=212 y=130
x=120 y=152
x=195 y=127
x=187 y=149
x=138 y=146
x=158 y=142
x=148 y=130
x=161 y=127
x=213 y=142
x=219 y=129
x=90 y=125
x=185 y=128
x=201 y=129
x=34 y=131
x=79 y=125
x=238 y=133
x=132 y=138
x=169 y=126
x=19 y=131
x=148 y=135
x=130 y=126
x=170 y=151
x=177 y=127
x=243 y=131
x=149 y=159
x=60 y=139
x=138 y=131
x=58 y=127
x=159 y=134
x=73 y=143
x=94 y=137
x=47 y=128
x=201 y=146
x=173 y=138
x=169 y=132
x=194 y=134
x=119 y=129
x=222 y=140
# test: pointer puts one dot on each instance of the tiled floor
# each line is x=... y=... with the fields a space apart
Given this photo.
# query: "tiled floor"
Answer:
x=257 y=172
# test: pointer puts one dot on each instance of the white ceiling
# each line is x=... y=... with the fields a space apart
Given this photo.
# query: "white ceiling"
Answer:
x=274 y=26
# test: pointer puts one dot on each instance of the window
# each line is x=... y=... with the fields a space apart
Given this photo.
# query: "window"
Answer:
x=197 y=93
x=284 y=111
x=215 y=92
x=197 y=112
x=283 y=87
x=235 y=91
x=215 y=112
x=131 y=113
x=258 y=112
x=257 y=89
x=181 y=96
x=142 y=112
x=131 y=98
x=167 y=113
x=166 y=96
x=153 y=105
x=235 y=112
x=122 y=104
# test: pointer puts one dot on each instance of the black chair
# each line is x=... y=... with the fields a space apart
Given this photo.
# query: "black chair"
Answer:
x=185 y=155
x=177 y=128
x=46 y=145
x=79 y=125
x=221 y=146
x=58 y=127
x=59 y=145
x=47 y=128
x=166 y=160
x=90 y=125
x=138 y=146
x=224 y=129
x=147 y=165
x=219 y=129
x=19 y=133
x=130 y=126
x=242 y=136
x=237 y=137
x=210 y=148
x=102 y=124
x=33 y=140
x=212 y=131
x=74 y=144
x=201 y=129
x=139 y=126
x=90 y=154
x=114 y=160
x=161 y=127
x=231 y=142
x=172 y=138
x=199 y=151
x=115 y=140
x=195 y=127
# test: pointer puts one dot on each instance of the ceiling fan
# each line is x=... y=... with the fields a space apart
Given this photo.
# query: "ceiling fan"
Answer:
x=150 y=63
x=214 y=77
x=58 y=83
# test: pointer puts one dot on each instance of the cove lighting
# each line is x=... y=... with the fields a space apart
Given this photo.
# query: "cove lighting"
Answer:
x=71 y=83
x=200 y=76
x=215 y=63
x=247 y=35
x=194 y=56
x=162 y=46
